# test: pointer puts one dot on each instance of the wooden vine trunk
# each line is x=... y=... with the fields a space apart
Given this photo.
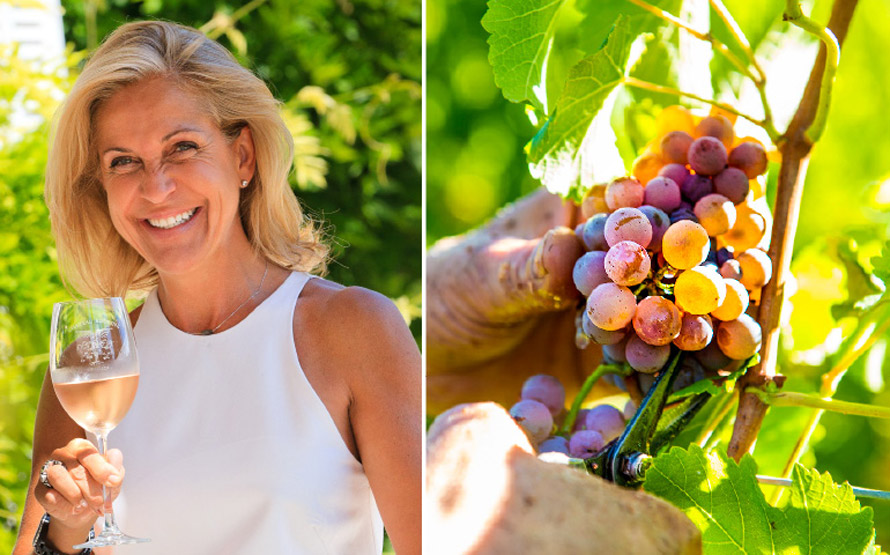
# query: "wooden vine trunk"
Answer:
x=795 y=149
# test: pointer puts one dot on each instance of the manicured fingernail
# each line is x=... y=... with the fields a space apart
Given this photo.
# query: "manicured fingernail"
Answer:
x=114 y=480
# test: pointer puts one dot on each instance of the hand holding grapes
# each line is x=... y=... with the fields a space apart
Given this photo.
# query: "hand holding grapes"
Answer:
x=501 y=303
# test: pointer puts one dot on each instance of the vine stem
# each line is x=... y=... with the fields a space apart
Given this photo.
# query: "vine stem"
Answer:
x=740 y=38
x=862 y=339
x=706 y=37
x=794 y=15
x=796 y=399
x=640 y=84
x=597 y=373
x=795 y=147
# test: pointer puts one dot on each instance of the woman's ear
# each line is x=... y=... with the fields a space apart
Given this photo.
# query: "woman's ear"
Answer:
x=245 y=153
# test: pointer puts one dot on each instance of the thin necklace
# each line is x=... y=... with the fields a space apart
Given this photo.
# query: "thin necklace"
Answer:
x=240 y=306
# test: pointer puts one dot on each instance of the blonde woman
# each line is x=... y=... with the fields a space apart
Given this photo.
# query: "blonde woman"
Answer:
x=277 y=411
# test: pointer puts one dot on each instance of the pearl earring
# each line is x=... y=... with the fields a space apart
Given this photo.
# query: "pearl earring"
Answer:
x=243 y=183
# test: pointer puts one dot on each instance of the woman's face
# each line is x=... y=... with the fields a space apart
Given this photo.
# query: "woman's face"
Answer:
x=172 y=178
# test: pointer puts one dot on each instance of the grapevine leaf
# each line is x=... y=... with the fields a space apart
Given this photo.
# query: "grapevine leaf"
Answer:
x=555 y=155
x=721 y=497
x=823 y=516
x=863 y=290
x=599 y=15
x=521 y=32
x=881 y=263
x=724 y=500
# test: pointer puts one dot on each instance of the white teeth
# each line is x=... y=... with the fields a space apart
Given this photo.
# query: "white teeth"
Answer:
x=173 y=221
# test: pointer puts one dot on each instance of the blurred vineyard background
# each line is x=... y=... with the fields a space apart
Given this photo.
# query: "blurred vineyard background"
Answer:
x=476 y=163
x=349 y=75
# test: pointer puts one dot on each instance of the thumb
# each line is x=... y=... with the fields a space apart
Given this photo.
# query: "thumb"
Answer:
x=483 y=295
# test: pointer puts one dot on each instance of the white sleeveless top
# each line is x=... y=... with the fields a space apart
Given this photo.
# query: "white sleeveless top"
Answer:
x=228 y=449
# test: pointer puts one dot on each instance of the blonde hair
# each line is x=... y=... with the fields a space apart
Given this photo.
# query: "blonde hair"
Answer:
x=93 y=258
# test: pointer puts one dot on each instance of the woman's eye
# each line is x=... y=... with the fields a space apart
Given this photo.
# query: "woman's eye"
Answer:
x=122 y=161
x=185 y=146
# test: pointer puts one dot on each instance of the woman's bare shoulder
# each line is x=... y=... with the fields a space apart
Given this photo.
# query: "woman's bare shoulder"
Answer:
x=354 y=312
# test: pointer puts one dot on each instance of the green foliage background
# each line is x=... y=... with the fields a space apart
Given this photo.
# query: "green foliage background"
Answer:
x=349 y=73
x=476 y=163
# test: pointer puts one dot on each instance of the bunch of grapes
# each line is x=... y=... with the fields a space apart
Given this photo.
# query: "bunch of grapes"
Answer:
x=541 y=410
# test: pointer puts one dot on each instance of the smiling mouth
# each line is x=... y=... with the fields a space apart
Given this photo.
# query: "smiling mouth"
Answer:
x=173 y=221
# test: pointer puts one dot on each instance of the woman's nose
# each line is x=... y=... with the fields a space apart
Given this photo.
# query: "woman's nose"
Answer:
x=157 y=186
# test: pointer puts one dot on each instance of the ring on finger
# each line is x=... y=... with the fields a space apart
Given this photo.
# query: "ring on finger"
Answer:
x=43 y=477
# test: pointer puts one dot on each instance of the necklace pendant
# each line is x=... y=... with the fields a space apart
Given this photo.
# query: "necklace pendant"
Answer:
x=206 y=332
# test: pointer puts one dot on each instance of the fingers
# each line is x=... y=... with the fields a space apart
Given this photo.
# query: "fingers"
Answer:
x=77 y=484
x=483 y=298
x=532 y=216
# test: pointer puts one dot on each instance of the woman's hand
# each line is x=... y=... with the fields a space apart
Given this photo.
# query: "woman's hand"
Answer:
x=501 y=306
x=75 y=499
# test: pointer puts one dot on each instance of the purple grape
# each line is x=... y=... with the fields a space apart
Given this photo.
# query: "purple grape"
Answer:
x=707 y=156
x=589 y=271
x=599 y=335
x=731 y=269
x=683 y=214
x=646 y=358
x=716 y=126
x=723 y=255
x=585 y=443
x=547 y=390
x=645 y=381
x=690 y=372
x=616 y=352
x=580 y=420
x=677 y=172
x=712 y=358
x=534 y=418
x=555 y=444
x=732 y=183
x=662 y=192
x=675 y=147
x=607 y=420
x=615 y=379
x=696 y=187
x=630 y=409
x=592 y=234
x=750 y=157
x=660 y=223
x=628 y=224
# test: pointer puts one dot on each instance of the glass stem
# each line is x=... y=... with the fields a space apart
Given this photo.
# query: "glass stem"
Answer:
x=110 y=526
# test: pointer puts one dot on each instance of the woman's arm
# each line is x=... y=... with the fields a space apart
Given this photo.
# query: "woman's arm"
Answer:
x=382 y=367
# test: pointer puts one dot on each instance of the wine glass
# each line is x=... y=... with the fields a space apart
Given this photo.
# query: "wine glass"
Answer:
x=95 y=372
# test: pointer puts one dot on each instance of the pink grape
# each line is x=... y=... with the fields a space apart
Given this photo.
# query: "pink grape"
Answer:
x=611 y=306
x=676 y=172
x=716 y=126
x=628 y=224
x=740 y=338
x=616 y=351
x=750 y=157
x=607 y=420
x=712 y=358
x=707 y=156
x=545 y=389
x=696 y=331
x=664 y=193
x=657 y=320
x=732 y=183
x=731 y=269
x=675 y=146
x=625 y=192
x=534 y=418
x=627 y=263
x=589 y=272
x=601 y=336
x=585 y=443
x=715 y=213
x=757 y=268
x=646 y=358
